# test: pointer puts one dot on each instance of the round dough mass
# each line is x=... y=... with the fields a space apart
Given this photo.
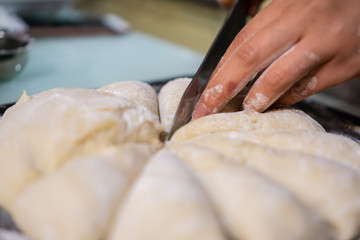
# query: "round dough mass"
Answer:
x=247 y=120
x=88 y=164
x=42 y=132
x=169 y=98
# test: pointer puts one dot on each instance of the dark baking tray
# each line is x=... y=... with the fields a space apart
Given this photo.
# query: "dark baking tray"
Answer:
x=333 y=120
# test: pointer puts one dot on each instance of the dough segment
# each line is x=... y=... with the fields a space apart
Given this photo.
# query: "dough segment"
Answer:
x=169 y=98
x=138 y=93
x=322 y=144
x=241 y=175
x=247 y=120
x=170 y=95
x=250 y=205
x=10 y=235
x=42 y=132
x=165 y=203
x=330 y=188
x=78 y=200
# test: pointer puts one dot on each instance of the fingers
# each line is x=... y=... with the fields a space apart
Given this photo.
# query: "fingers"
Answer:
x=260 y=21
x=328 y=75
x=282 y=74
x=242 y=64
x=302 y=89
x=331 y=57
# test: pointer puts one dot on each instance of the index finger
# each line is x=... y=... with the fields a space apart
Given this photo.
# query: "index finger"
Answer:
x=260 y=21
x=245 y=62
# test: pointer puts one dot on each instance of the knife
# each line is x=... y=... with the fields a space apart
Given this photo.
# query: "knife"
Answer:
x=234 y=22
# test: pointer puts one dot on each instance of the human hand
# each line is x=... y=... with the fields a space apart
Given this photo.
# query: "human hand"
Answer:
x=302 y=47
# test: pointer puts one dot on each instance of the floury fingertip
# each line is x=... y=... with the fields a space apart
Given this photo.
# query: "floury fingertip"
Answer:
x=200 y=110
x=255 y=103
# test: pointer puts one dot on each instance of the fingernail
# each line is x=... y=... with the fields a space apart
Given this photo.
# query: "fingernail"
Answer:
x=200 y=110
x=255 y=103
x=245 y=105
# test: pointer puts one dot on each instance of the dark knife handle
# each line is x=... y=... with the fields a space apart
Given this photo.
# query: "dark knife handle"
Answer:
x=234 y=22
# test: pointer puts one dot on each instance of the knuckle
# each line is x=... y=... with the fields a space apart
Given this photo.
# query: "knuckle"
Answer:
x=239 y=40
x=276 y=79
x=241 y=37
x=248 y=54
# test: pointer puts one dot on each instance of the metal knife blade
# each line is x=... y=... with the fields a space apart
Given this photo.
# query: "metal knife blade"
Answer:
x=234 y=22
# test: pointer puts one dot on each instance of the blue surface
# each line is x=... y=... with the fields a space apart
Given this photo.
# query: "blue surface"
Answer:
x=95 y=61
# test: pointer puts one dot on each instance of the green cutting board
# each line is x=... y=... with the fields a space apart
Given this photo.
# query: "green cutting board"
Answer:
x=92 y=62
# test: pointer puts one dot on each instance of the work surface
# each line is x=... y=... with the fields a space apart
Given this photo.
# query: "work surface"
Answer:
x=95 y=61
x=169 y=40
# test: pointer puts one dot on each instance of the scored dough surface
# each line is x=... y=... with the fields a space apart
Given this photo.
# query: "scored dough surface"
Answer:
x=87 y=164
x=247 y=120
x=73 y=203
x=169 y=98
x=249 y=201
x=137 y=92
x=177 y=208
x=330 y=188
x=323 y=144
x=41 y=132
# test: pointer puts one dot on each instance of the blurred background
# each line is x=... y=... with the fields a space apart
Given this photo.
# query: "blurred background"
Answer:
x=192 y=23
x=90 y=43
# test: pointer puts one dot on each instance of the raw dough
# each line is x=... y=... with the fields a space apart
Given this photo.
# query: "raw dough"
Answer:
x=78 y=201
x=323 y=144
x=138 y=93
x=247 y=120
x=330 y=188
x=11 y=235
x=165 y=203
x=250 y=205
x=169 y=98
x=43 y=131
x=71 y=162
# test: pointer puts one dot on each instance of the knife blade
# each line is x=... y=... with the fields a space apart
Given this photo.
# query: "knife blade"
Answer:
x=234 y=22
